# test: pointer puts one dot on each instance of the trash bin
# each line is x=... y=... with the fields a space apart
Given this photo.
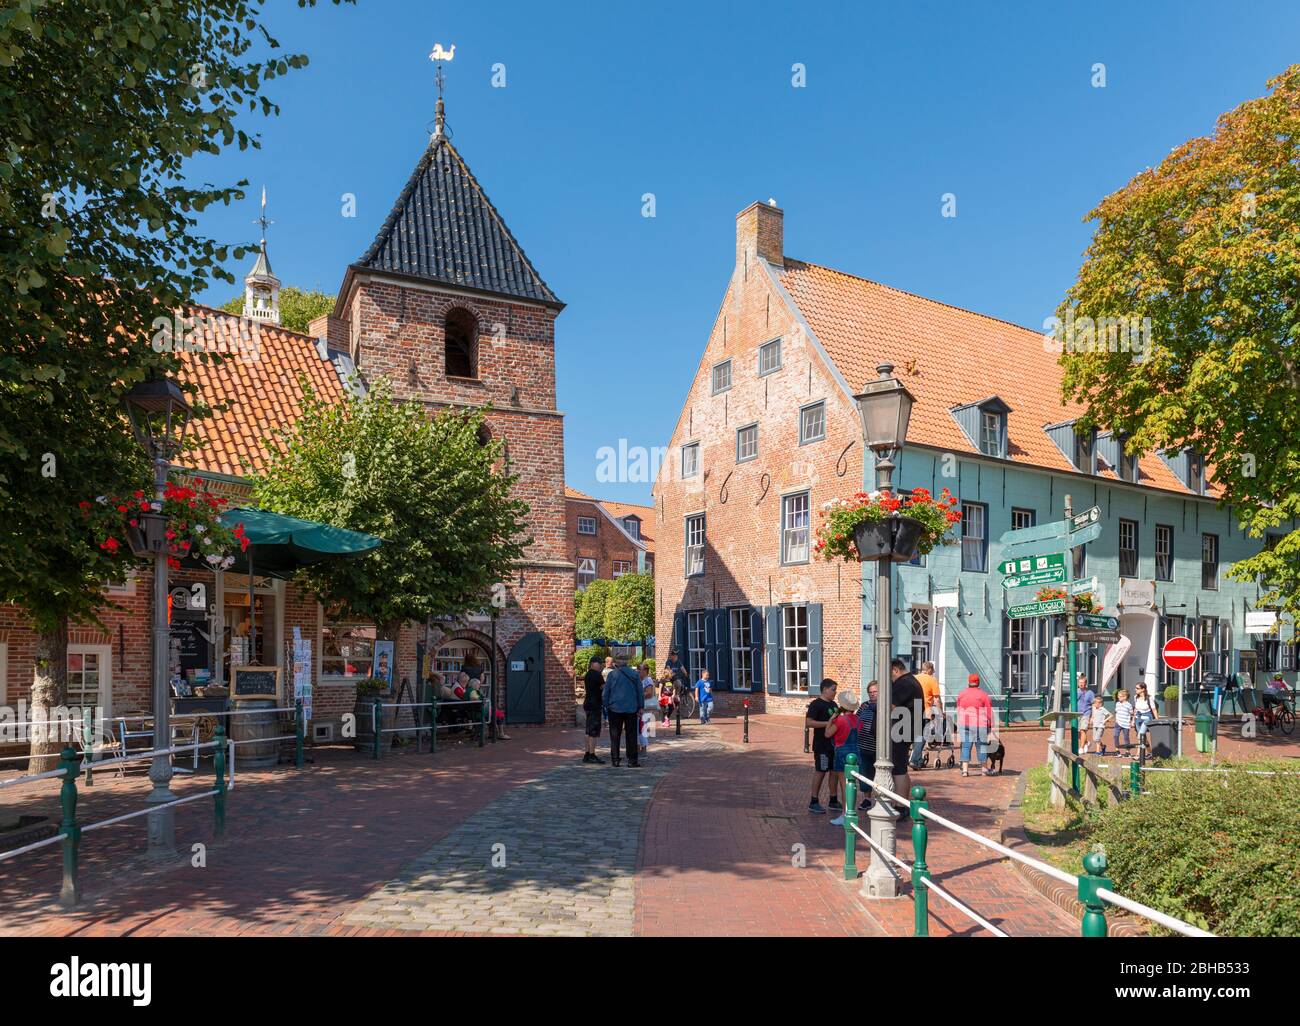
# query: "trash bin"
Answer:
x=1163 y=741
x=1204 y=731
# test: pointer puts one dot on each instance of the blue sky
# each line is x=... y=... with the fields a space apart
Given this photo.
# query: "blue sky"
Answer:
x=693 y=102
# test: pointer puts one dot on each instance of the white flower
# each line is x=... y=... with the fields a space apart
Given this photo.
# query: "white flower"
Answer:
x=213 y=560
x=101 y=499
x=198 y=528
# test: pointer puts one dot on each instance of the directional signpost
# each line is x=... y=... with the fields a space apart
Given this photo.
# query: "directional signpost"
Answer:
x=1052 y=607
x=1091 y=627
x=1033 y=571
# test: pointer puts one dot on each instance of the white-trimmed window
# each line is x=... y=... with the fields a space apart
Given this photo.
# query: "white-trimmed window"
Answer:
x=794 y=628
x=622 y=566
x=586 y=525
x=347 y=651
x=920 y=636
x=1128 y=548
x=586 y=571
x=812 y=423
x=124 y=587
x=974 y=536
x=747 y=443
x=742 y=651
x=632 y=525
x=90 y=677
x=695 y=545
x=1210 y=562
x=1022 y=518
x=1164 y=552
x=794 y=528
x=769 y=357
x=991 y=432
x=690 y=459
x=695 y=642
x=722 y=377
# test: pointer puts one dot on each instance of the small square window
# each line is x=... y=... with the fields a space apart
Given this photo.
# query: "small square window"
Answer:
x=769 y=357
x=722 y=377
x=586 y=525
x=747 y=443
x=812 y=423
x=690 y=459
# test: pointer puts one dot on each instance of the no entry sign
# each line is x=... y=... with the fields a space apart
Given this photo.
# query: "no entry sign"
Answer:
x=1179 y=653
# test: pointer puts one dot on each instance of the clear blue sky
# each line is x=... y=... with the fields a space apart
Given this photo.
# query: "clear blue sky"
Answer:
x=904 y=102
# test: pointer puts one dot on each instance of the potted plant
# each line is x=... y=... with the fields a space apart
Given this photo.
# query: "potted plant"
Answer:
x=884 y=526
x=1171 y=704
x=364 y=711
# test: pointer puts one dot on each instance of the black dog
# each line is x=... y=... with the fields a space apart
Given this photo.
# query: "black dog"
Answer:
x=996 y=755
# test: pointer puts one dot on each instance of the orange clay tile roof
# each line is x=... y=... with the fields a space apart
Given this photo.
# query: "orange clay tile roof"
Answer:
x=258 y=381
x=947 y=357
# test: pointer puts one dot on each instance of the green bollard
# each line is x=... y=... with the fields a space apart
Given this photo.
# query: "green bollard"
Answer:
x=70 y=893
x=377 y=721
x=920 y=871
x=1135 y=778
x=88 y=743
x=1042 y=707
x=297 y=733
x=1094 y=916
x=1006 y=709
x=482 y=724
x=219 y=767
x=850 y=817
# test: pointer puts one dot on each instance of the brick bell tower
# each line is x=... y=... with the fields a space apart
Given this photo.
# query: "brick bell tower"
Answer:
x=447 y=307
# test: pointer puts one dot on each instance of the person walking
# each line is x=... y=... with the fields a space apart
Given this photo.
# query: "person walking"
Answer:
x=974 y=719
x=1084 y=705
x=592 y=708
x=704 y=695
x=819 y=713
x=906 y=703
x=930 y=696
x=623 y=700
x=1144 y=711
x=1123 y=721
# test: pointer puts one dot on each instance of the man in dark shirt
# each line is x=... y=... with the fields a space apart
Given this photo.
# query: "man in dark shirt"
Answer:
x=594 y=682
x=907 y=699
x=819 y=714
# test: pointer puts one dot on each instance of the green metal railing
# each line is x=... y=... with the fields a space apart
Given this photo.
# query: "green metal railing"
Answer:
x=1093 y=887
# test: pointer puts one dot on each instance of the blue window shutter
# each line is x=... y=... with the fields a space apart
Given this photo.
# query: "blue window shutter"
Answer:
x=679 y=638
x=814 y=647
x=710 y=644
x=756 y=645
x=1006 y=654
x=722 y=639
x=772 y=639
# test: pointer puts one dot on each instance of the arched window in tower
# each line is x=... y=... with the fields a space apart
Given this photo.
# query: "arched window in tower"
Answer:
x=460 y=332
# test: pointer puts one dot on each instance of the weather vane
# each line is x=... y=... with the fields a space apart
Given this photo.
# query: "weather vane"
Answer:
x=438 y=55
x=264 y=221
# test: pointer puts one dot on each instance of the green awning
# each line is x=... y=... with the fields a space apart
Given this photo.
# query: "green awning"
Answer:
x=279 y=545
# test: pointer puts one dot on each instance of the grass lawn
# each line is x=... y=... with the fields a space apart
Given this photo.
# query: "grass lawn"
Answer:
x=1060 y=834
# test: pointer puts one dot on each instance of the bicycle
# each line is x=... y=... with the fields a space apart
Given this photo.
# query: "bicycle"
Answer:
x=1281 y=715
x=685 y=696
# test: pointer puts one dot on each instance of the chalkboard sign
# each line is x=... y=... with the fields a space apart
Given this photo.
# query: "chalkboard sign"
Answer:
x=189 y=643
x=255 y=682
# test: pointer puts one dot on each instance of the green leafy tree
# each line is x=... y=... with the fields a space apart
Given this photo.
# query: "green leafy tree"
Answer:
x=102 y=103
x=1204 y=251
x=589 y=609
x=630 y=608
x=298 y=307
x=428 y=485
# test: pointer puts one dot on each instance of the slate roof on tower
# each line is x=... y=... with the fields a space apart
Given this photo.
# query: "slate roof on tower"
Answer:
x=443 y=228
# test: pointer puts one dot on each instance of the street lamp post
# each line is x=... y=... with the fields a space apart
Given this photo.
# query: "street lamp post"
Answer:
x=159 y=415
x=885 y=407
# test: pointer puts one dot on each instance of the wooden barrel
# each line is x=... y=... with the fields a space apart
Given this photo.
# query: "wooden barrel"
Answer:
x=250 y=729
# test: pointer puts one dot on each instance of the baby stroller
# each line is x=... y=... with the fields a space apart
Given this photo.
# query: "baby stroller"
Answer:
x=939 y=737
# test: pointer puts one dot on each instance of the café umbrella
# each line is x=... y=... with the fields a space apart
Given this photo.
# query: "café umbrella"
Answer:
x=279 y=545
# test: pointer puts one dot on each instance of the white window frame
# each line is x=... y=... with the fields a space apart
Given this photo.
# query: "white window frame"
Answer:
x=694 y=562
x=742 y=651
x=1130 y=526
x=994 y=418
x=1015 y=525
x=804 y=437
x=982 y=537
x=791 y=528
x=773 y=346
x=1168 y=531
x=587 y=520
x=695 y=652
x=632 y=525
x=693 y=448
x=752 y=431
x=623 y=566
x=1207 y=536
x=922 y=640
x=719 y=389
x=104 y=694
x=791 y=669
x=587 y=565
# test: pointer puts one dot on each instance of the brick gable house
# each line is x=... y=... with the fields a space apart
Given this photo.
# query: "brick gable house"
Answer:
x=608 y=539
x=769 y=433
x=446 y=305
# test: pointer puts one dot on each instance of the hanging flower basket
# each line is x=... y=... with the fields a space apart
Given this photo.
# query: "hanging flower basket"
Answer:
x=883 y=526
x=182 y=523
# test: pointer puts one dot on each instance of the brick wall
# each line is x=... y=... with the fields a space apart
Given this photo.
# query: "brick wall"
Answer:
x=605 y=546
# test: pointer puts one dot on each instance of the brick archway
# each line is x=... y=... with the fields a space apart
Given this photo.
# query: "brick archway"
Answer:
x=484 y=643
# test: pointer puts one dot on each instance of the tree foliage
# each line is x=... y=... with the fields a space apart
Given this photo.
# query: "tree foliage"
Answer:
x=589 y=609
x=1206 y=247
x=425 y=484
x=630 y=608
x=298 y=307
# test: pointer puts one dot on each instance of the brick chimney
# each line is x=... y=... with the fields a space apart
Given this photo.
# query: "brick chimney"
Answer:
x=759 y=231
x=332 y=330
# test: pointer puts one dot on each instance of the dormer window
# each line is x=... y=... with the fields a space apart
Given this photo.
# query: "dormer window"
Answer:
x=985 y=424
x=1188 y=466
x=1076 y=445
x=633 y=526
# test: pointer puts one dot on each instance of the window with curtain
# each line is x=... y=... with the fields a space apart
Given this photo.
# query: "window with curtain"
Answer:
x=974 y=536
